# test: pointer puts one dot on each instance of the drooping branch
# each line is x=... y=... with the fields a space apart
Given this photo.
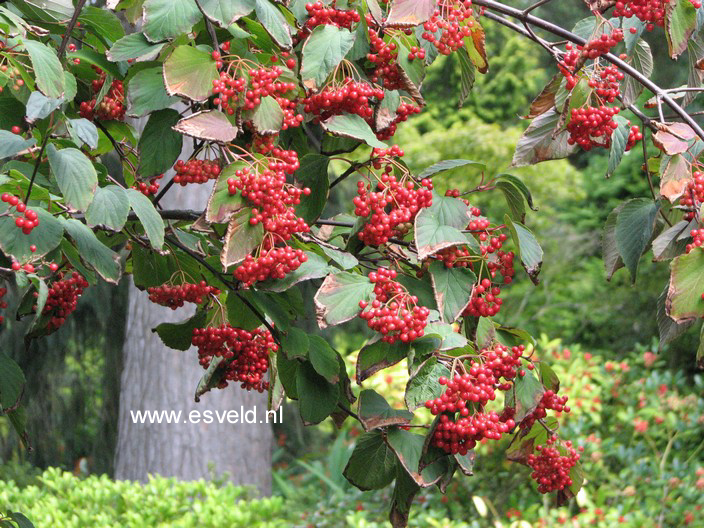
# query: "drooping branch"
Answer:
x=527 y=18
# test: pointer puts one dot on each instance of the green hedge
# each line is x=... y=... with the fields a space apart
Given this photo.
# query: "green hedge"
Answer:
x=62 y=500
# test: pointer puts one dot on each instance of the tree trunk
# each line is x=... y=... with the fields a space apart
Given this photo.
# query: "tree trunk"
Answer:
x=157 y=378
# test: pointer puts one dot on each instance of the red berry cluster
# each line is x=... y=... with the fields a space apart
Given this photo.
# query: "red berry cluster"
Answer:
x=385 y=58
x=62 y=299
x=551 y=469
x=485 y=301
x=174 y=296
x=606 y=83
x=247 y=353
x=112 y=105
x=652 y=12
x=149 y=188
x=272 y=263
x=601 y=45
x=26 y=219
x=416 y=53
x=591 y=126
x=393 y=204
x=697 y=239
x=467 y=394
x=693 y=195
x=196 y=171
x=319 y=14
x=273 y=199
x=394 y=313
x=549 y=401
x=403 y=112
x=227 y=89
x=454 y=19
x=3 y=304
x=262 y=83
x=351 y=97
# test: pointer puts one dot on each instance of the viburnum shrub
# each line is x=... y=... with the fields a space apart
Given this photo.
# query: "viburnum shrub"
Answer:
x=283 y=102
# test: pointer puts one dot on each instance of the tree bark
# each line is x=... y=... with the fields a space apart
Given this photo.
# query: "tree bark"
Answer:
x=158 y=378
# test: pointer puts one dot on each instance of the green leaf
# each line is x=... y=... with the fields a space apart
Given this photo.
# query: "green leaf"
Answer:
x=221 y=204
x=212 y=125
x=46 y=236
x=322 y=52
x=372 y=464
x=90 y=57
x=684 y=297
x=164 y=19
x=40 y=106
x=450 y=338
x=11 y=383
x=514 y=199
x=338 y=298
x=609 y=249
x=378 y=355
x=352 y=126
x=295 y=343
x=409 y=450
x=374 y=412
x=190 y=72
x=21 y=520
x=146 y=92
x=467 y=75
x=134 y=46
x=324 y=358
x=179 y=335
x=313 y=174
x=241 y=238
x=104 y=23
x=268 y=117
x=642 y=60
x=313 y=268
x=11 y=144
x=214 y=374
x=680 y=23
x=522 y=187
x=85 y=131
x=148 y=216
x=525 y=395
x=668 y=329
x=317 y=398
x=239 y=314
x=110 y=208
x=409 y=13
x=405 y=489
x=159 y=145
x=96 y=254
x=439 y=226
x=634 y=230
x=548 y=377
x=445 y=165
x=226 y=12
x=342 y=258
x=47 y=68
x=619 y=139
x=423 y=385
x=700 y=350
x=75 y=175
x=453 y=289
x=527 y=248
x=537 y=143
x=274 y=22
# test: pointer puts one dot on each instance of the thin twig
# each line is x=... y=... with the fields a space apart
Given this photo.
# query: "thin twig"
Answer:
x=69 y=28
